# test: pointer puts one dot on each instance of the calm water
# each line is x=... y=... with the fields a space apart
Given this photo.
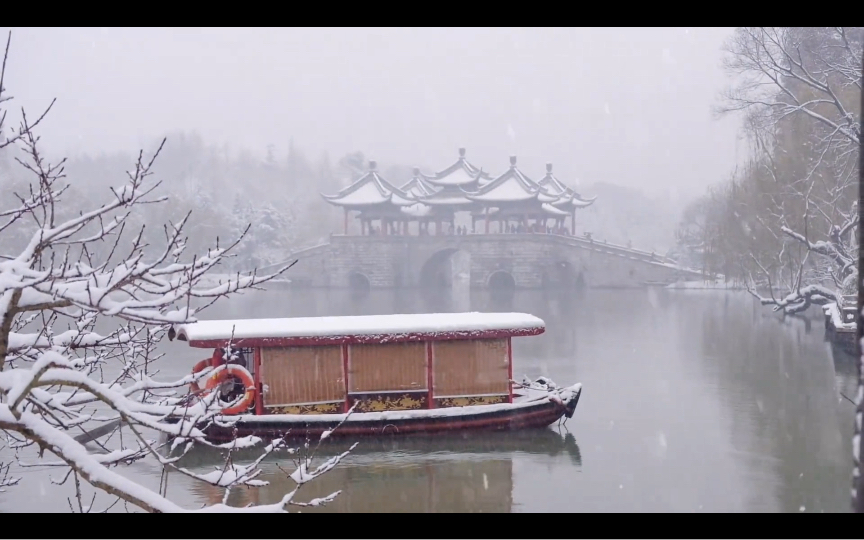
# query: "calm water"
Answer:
x=694 y=401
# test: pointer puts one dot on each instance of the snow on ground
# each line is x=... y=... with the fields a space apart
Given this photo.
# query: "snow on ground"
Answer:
x=212 y=280
x=835 y=313
x=706 y=284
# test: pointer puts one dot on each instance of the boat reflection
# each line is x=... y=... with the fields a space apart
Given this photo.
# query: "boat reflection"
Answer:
x=455 y=473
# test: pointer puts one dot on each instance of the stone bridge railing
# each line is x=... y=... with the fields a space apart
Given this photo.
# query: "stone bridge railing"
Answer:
x=573 y=241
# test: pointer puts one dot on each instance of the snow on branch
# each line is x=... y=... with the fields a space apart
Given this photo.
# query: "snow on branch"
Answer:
x=78 y=271
x=806 y=71
x=5 y=479
x=797 y=301
x=789 y=219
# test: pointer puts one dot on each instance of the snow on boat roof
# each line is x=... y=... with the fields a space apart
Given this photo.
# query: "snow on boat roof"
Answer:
x=361 y=329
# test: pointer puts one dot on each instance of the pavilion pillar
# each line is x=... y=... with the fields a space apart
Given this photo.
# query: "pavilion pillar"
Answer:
x=486 y=211
x=345 y=227
x=573 y=223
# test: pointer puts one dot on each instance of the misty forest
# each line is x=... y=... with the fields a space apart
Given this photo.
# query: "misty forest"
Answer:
x=372 y=270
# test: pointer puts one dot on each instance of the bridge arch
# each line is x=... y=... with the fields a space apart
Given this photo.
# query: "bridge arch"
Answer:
x=501 y=281
x=444 y=267
x=358 y=281
x=399 y=261
x=563 y=275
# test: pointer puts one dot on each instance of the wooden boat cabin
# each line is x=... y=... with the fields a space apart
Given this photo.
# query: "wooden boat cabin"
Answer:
x=326 y=365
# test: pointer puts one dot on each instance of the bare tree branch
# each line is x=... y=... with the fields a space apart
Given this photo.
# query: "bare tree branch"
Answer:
x=55 y=381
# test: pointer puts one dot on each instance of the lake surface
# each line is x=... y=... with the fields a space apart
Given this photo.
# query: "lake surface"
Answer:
x=693 y=401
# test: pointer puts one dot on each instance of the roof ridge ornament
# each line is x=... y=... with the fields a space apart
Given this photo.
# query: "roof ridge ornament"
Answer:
x=512 y=162
x=462 y=153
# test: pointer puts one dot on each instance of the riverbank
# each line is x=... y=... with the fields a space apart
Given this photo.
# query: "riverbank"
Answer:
x=705 y=284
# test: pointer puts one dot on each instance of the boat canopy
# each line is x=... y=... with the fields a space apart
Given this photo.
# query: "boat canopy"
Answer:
x=359 y=329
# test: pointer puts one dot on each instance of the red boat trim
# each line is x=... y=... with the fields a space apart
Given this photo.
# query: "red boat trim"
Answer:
x=509 y=370
x=259 y=386
x=430 y=374
x=368 y=338
x=543 y=415
x=345 y=376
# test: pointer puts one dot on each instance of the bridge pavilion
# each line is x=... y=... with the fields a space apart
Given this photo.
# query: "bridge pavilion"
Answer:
x=510 y=198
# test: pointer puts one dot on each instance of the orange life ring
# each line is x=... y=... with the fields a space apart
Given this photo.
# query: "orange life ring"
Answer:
x=248 y=382
x=199 y=367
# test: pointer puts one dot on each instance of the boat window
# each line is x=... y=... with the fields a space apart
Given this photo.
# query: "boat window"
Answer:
x=470 y=368
x=300 y=375
x=387 y=367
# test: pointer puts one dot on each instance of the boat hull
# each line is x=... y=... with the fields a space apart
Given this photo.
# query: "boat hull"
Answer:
x=538 y=413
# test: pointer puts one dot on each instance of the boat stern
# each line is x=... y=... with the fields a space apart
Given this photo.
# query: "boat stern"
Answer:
x=570 y=398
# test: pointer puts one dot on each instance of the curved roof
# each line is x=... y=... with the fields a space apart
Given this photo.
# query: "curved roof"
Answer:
x=418 y=186
x=512 y=186
x=574 y=201
x=460 y=173
x=549 y=209
x=559 y=194
x=371 y=189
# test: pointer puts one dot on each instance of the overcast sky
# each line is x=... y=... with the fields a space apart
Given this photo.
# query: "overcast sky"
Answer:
x=628 y=106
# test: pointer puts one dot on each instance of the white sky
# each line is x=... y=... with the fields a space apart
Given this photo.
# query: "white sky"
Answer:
x=627 y=106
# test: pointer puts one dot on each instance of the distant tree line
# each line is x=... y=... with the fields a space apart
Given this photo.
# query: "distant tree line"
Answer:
x=227 y=189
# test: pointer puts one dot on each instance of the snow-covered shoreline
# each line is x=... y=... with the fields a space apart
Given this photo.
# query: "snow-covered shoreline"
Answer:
x=835 y=315
x=212 y=280
x=705 y=284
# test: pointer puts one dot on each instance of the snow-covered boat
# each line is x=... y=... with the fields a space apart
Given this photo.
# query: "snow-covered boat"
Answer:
x=374 y=375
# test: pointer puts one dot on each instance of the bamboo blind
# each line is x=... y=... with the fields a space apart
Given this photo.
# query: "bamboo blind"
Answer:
x=302 y=374
x=387 y=367
x=470 y=367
